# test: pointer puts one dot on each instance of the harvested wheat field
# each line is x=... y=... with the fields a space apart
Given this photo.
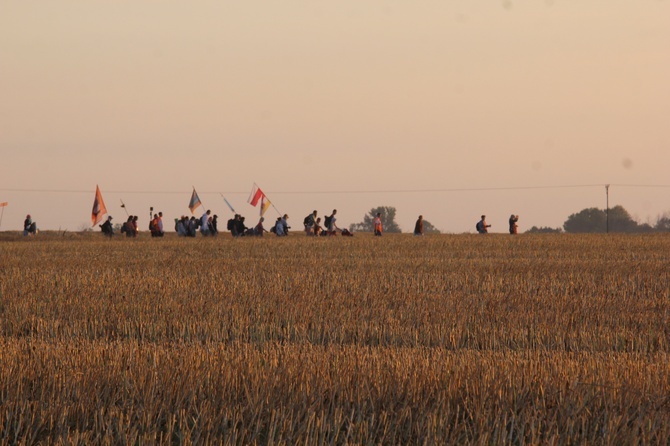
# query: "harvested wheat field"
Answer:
x=447 y=339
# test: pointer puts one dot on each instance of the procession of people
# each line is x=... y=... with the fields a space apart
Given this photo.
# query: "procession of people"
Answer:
x=207 y=225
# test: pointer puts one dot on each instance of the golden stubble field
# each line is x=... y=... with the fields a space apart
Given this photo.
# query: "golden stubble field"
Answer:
x=450 y=339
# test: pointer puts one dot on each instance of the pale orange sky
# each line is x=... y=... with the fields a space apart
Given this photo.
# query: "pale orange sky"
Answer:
x=301 y=96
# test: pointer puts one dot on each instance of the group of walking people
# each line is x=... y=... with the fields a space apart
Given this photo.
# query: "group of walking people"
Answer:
x=238 y=227
x=482 y=226
x=207 y=225
x=313 y=226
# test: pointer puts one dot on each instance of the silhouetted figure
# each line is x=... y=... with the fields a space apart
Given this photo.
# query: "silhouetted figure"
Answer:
x=107 y=227
x=330 y=223
x=231 y=225
x=192 y=227
x=418 y=227
x=309 y=222
x=481 y=226
x=213 y=223
x=182 y=226
x=29 y=226
x=127 y=227
x=240 y=227
x=259 y=229
x=513 y=227
x=156 y=225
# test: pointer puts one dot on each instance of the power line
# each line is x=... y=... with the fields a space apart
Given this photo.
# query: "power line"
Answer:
x=343 y=192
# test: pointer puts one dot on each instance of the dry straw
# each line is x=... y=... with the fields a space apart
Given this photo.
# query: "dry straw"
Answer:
x=441 y=339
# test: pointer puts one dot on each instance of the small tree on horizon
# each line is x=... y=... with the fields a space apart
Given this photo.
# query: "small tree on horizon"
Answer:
x=594 y=220
x=429 y=228
x=388 y=220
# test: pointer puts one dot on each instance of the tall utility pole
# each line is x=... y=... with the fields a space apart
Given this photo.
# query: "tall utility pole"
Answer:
x=607 y=212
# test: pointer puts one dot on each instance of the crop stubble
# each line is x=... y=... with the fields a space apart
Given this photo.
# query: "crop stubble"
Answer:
x=449 y=339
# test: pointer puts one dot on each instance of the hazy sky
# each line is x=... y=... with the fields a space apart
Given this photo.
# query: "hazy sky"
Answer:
x=347 y=95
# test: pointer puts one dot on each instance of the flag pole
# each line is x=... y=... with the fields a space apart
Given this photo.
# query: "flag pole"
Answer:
x=275 y=207
x=252 y=192
x=123 y=205
x=201 y=203
x=229 y=205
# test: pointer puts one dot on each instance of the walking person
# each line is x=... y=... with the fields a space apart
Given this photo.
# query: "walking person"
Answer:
x=513 y=227
x=182 y=226
x=259 y=229
x=29 y=226
x=418 y=227
x=156 y=225
x=309 y=223
x=204 y=226
x=231 y=225
x=481 y=226
x=213 y=223
x=133 y=226
x=331 y=223
x=284 y=225
x=192 y=227
x=107 y=227
x=126 y=226
x=377 y=224
x=240 y=227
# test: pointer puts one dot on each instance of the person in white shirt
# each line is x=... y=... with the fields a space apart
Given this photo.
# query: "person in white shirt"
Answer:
x=204 y=227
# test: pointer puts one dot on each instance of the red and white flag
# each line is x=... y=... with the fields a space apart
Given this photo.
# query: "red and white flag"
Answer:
x=256 y=195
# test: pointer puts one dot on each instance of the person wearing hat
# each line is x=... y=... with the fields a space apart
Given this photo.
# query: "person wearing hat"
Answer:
x=107 y=227
x=29 y=226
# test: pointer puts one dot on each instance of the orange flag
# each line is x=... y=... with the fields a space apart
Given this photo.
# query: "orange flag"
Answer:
x=99 y=208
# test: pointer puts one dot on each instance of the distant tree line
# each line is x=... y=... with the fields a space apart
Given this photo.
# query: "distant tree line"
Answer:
x=590 y=220
x=594 y=220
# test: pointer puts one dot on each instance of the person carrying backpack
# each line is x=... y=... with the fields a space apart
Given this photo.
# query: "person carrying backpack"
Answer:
x=107 y=227
x=330 y=223
x=309 y=223
x=156 y=225
x=231 y=225
x=29 y=226
x=481 y=226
